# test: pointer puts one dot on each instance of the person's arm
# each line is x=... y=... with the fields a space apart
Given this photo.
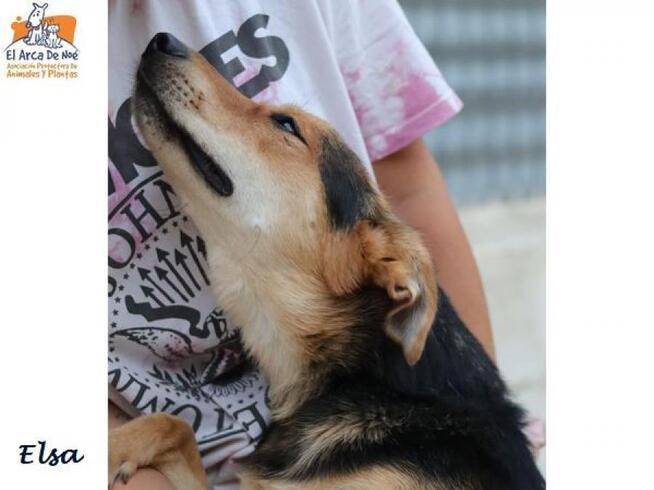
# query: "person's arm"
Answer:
x=412 y=182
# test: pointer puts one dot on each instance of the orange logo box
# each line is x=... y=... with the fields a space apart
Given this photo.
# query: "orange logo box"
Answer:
x=66 y=24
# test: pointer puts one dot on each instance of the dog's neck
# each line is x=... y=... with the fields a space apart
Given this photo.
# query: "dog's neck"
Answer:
x=286 y=318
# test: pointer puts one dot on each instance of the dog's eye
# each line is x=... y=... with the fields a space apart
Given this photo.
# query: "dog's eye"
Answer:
x=287 y=123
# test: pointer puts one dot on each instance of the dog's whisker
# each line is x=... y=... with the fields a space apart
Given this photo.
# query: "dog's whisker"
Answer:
x=254 y=243
x=304 y=104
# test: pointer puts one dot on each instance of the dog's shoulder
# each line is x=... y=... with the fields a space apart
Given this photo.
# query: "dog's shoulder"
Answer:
x=440 y=421
x=339 y=437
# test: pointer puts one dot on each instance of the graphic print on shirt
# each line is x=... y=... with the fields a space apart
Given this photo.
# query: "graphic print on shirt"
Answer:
x=170 y=347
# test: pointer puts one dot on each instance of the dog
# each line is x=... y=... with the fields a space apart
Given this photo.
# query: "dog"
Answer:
x=375 y=382
x=52 y=39
x=36 y=25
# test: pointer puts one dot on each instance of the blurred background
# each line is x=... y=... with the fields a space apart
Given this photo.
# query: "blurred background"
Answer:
x=492 y=52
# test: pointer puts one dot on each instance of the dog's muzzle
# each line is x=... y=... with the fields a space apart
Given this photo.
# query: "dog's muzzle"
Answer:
x=166 y=43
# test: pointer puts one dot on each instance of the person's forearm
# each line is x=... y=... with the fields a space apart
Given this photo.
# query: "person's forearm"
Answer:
x=415 y=188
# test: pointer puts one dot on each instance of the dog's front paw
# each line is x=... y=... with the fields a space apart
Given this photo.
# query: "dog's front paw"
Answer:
x=122 y=456
x=122 y=472
x=163 y=442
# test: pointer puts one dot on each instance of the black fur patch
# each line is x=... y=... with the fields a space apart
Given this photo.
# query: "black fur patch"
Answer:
x=447 y=419
x=350 y=196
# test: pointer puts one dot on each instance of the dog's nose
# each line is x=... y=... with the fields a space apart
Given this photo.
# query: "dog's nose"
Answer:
x=167 y=44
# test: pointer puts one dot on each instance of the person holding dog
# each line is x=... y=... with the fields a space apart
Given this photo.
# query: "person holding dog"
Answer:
x=357 y=64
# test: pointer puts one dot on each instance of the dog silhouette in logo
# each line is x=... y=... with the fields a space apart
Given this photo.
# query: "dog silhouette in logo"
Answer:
x=36 y=25
x=52 y=39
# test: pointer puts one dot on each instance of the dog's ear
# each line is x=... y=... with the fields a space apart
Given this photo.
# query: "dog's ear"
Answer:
x=400 y=264
x=391 y=256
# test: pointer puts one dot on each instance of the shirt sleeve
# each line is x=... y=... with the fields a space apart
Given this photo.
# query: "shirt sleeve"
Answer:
x=396 y=89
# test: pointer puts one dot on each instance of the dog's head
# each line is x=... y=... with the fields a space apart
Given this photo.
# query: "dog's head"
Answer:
x=281 y=201
x=36 y=16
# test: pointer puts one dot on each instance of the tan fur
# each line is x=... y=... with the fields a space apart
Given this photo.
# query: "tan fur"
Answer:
x=393 y=257
x=161 y=441
x=345 y=429
x=277 y=266
x=375 y=478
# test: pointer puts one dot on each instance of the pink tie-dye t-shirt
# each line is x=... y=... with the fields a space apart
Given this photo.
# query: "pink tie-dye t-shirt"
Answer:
x=357 y=64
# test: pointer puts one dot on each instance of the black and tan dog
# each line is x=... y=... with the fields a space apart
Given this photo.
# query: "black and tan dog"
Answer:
x=374 y=381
